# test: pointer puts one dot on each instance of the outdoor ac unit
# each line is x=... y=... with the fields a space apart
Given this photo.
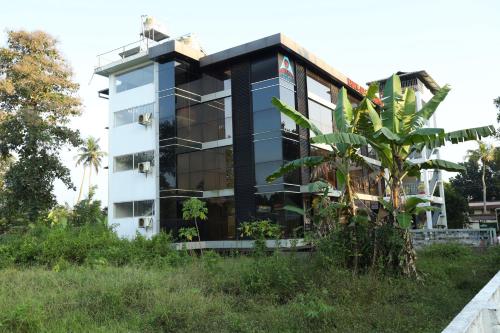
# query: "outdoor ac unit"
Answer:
x=145 y=222
x=144 y=167
x=145 y=118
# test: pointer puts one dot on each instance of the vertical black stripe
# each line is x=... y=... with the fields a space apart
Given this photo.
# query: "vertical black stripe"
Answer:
x=244 y=167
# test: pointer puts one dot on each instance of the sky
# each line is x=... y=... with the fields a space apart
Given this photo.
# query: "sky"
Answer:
x=456 y=42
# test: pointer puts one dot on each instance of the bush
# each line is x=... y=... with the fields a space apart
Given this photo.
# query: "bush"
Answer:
x=447 y=251
x=91 y=244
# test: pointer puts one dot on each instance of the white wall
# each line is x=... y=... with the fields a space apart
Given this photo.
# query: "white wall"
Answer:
x=132 y=138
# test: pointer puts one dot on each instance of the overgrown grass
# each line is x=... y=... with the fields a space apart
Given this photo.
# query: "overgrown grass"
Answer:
x=170 y=292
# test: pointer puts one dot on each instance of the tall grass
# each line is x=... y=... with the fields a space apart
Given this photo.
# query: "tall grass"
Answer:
x=90 y=286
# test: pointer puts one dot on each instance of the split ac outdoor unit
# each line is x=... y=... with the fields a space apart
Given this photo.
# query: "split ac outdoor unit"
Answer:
x=145 y=222
x=145 y=118
x=144 y=167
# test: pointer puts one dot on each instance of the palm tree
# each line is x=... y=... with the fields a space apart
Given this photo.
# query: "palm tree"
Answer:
x=90 y=155
x=395 y=130
x=485 y=153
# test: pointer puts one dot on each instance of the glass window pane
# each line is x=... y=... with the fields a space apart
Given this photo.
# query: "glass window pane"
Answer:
x=124 y=117
x=262 y=170
x=319 y=89
x=266 y=120
x=262 y=98
x=123 y=209
x=144 y=208
x=123 y=163
x=145 y=156
x=265 y=69
x=134 y=78
x=268 y=150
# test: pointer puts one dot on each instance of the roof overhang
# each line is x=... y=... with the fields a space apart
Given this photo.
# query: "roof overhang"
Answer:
x=281 y=42
x=422 y=75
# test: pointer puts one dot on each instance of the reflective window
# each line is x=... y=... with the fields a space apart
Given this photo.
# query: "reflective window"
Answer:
x=134 y=209
x=206 y=170
x=261 y=99
x=319 y=89
x=320 y=116
x=133 y=79
x=268 y=150
x=146 y=156
x=131 y=115
x=264 y=69
x=263 y=170
x=144 y=208
x=124 y=163
x=123 y=209
x=129 y=162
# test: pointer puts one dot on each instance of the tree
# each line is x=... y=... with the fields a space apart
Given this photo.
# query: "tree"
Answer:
x=194 y=209
x=496 y=101
x=484 y=154
x=90 y=155
x=395 y=130
x=468 y=182
x=457 y=207
x=37 y=101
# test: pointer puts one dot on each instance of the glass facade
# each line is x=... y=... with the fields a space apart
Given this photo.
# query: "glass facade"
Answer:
x=196 y=113
x=191 y=115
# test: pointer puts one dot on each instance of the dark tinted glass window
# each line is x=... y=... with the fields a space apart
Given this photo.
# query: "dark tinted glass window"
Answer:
x=167 y=168
x=266 y=120
x=133 y=79
x=261 y=99
x=166 y=77
x=268 y=150
x=264 y=69
x=263 y=170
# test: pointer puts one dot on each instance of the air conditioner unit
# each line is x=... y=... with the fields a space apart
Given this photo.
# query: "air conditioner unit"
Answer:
x=145 y=222
x=145 y=118
x=144 y=167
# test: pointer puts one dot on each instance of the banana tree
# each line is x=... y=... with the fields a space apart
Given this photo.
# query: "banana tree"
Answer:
x=396 y=133
x=395 y=130
x=342 y=148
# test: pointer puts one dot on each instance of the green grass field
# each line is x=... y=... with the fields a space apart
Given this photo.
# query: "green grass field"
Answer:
x=278 y=293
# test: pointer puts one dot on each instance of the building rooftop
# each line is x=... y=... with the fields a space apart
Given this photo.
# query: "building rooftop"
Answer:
x=279 y=41
x=422 y=75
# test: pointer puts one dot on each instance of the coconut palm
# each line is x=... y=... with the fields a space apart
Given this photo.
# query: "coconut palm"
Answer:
x=395 y=130
x=90 y=155
x=485 y=153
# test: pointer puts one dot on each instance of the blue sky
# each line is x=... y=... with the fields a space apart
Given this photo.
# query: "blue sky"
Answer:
x=457 y=42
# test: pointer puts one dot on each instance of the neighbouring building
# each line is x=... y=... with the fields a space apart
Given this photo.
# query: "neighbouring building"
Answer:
x=183 y=124
x=480 y=220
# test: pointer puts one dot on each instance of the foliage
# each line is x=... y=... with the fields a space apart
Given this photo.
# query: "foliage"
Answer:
x=266 y=294
x=91 y=244
x=37 y=101
x=195 y=209
x=188 y=233
x=395 y=131
x=468 y=182
x=90 y=155
x=88 y=211
x=259 y=231
x=496 y=102
x=457 y=207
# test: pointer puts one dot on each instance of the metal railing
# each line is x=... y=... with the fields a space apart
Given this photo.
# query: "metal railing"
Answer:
x=122 y=52
x=473 y=237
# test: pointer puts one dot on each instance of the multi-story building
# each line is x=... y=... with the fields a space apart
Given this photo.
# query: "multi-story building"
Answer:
x=187 y=124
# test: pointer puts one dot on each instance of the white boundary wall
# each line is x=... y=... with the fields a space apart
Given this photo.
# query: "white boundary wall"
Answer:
x=482 y=314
